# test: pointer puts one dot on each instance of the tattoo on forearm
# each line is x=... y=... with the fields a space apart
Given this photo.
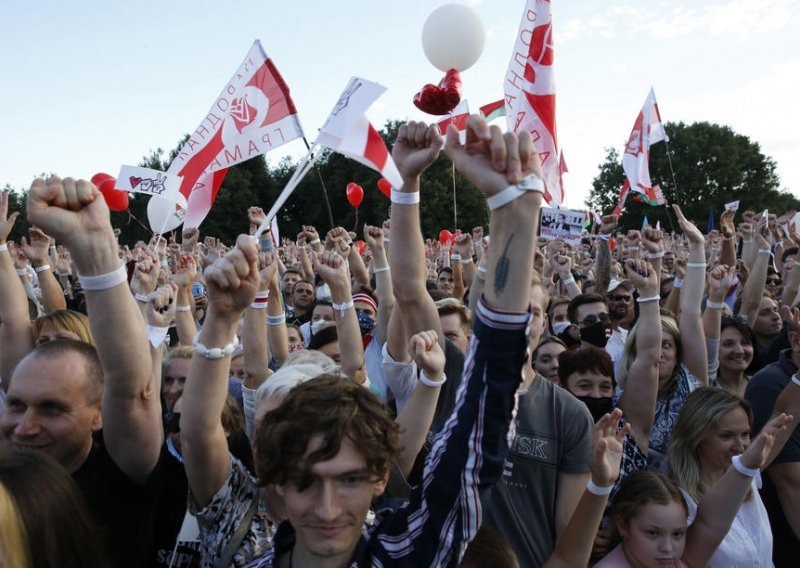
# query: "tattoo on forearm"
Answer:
x=502 y=269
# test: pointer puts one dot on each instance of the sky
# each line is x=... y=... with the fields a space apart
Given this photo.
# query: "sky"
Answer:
x=91 y=85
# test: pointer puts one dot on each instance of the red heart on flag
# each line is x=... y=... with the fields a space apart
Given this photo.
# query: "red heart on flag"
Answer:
x=135 y=181
x=442 y=98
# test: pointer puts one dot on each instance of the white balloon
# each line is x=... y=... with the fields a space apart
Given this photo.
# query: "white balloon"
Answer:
x=166 y=214
x=453 y=37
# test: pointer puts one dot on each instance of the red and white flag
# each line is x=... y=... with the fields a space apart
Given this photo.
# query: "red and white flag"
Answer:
x=349 y=132
x=562 y=169
x=253 y=114
x=458 y=117
x=623 y=195
x=647 y=130
x=530 y=92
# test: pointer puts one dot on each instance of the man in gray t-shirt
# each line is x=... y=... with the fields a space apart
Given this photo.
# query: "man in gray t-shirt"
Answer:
x=548 y=464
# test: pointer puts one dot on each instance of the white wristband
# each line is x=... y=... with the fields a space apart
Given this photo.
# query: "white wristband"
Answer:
x=467 y=260
x=455 y=257
x=764 y=251
x=655 y=255
x=715 y=305
x=743 y=469
x=747 y=241
x=795 y=380
x=156 y=335
x=677 y=283
x=385 y=239
x=702 y=265
x=482 y=269
x=530 y=183
x=276 y=320
x=342 y=308
x=381 y=269
x=405 y=198
x=568 y=281
x=214 y=352
x=426 y=380
x=3 y=247
x=595 y=489
x=104 y=281
x=22 y=272
x=314 y=242
x=164 y=263
x=42 y=268
x=648 y=299
x=603 y=236
x=141 y=298
x=183 y=308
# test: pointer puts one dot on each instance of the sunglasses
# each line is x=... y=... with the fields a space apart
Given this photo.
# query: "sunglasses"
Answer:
x=619 y=297
x=737 y=319
x=592 y=319
x=172 y=422
x=774 y=281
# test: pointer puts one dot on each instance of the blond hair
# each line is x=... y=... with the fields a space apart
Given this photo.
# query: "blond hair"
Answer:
x=14 y=548
x=64 y=320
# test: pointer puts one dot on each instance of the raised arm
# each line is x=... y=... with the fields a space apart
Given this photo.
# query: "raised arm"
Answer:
x=254 y=334
x=719 y=505
x=37 y=251
x=374 y=237
x=757 y=280
x=693 y=341
x=719 y=280
x=232 y=281
x=75 y=213
x=654 y=250
x=602 y=264
x=184 y=277
x=728 y=230
x=463 y=247
x=638 y=401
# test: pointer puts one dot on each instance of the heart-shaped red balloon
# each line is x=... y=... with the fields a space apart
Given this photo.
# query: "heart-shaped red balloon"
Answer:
x=445 y=236
x=386 y=187
x=442 y=98
x=117 y=200
x=355 y=194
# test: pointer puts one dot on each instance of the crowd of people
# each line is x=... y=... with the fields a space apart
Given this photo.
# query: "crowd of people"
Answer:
x=490 y=401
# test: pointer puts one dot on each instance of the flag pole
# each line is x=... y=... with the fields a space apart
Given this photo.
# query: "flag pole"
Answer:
x=322 y=183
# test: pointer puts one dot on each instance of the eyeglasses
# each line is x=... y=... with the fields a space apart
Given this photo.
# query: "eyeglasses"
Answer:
x=592 y=319
x=774 y=281
x=172 y=422
x=619 y=298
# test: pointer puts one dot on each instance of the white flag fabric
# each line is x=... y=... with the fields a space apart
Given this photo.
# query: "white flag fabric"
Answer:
x=647 y=130
x=349 y=132
x=252 y=115
x=530 y=92
x=458 y=118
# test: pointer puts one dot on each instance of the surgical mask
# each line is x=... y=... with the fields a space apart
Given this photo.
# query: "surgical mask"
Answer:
x=318 y=325
x=596 y=334
x=598 y=407
x=324 y=293
x=365 y=322
x=560 y=326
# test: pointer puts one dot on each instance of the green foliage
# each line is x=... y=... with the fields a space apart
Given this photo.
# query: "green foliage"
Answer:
x=712 y=165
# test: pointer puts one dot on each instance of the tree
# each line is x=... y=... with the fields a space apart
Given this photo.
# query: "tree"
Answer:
x=712 y=165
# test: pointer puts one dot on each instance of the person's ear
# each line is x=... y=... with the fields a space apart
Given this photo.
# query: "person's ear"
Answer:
x=380 y=485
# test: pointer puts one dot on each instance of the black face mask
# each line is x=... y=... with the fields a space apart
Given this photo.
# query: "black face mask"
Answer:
x=598 y=407
x=597 y=334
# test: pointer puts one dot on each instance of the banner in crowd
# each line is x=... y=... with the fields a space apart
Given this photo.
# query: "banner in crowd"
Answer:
x=253 y=114
x=530 y=92
x=647 y=130
x=493 y=110
x=564 y=224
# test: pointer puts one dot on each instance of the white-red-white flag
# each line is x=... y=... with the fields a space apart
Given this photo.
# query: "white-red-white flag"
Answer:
x=530 y=91
x=349 y=132
x=458 y=118
x=647 y=130
x=253 y=114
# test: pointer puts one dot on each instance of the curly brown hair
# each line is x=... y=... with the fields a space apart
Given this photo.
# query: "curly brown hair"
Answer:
x=333 y=407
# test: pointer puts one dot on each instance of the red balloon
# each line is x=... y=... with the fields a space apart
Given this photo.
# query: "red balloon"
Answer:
x=117 y=200
x=612 y=242
x=385 y=187
x=361 y=247
x=445 y=236
x=442 y=98
x=97 y=179
x=355 y=194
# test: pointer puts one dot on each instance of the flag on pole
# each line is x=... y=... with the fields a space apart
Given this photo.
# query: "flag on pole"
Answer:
x=253 y=114
x=458 y=117
x=655 y=196
x=493 y=110
x=645 y=223
x=562 y=169
x=623 y=195
x=349 y=132
x=530 y=91
x=647 y=130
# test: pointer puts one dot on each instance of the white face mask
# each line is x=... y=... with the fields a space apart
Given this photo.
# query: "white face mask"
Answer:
x=324 y=293
x=318 y=325
x=560 y=326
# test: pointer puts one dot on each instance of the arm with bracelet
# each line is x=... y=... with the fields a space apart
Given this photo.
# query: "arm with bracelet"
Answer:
x=254 y=333
x=160 y=315
x=602 y=264
x=728 y=230
x=653 y=243
x=757 y=280
x=463 y=248
x=37 y=252
x=693 y=342
x=185 y=277
x=375 y=238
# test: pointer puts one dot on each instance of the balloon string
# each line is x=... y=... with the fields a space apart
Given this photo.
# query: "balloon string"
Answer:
x=145 y=227
x=324 y=189
x=455 y=205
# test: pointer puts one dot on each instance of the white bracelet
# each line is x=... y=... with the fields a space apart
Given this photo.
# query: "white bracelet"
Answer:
x=530 y=183
x=747 y=241
x=42 y=268
x=764 y=251
x=649 y=299
x=655 y=254
x=342 y=308
x=426 y=380
x=677 y=283
x=595 y=489
x=779 y=244
x=795 y=380
x=381 y=269
x=104 y=281
x=141 y=298
x=156 y=335
x=402 y=198
x=260 y=304
x=22 y=272
x=183 y=308
x=702 y=265
x=214 y=352
x=727 y=238
x=603 y=236
x=455 y=257
x=568 y=281
x=276 y=320
x=467 y=260
x=715 y=305
x=482 y=269
x=164 y=263
x=3 y=247
x=314 y=242
x=262 y=295
x=743 y=469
